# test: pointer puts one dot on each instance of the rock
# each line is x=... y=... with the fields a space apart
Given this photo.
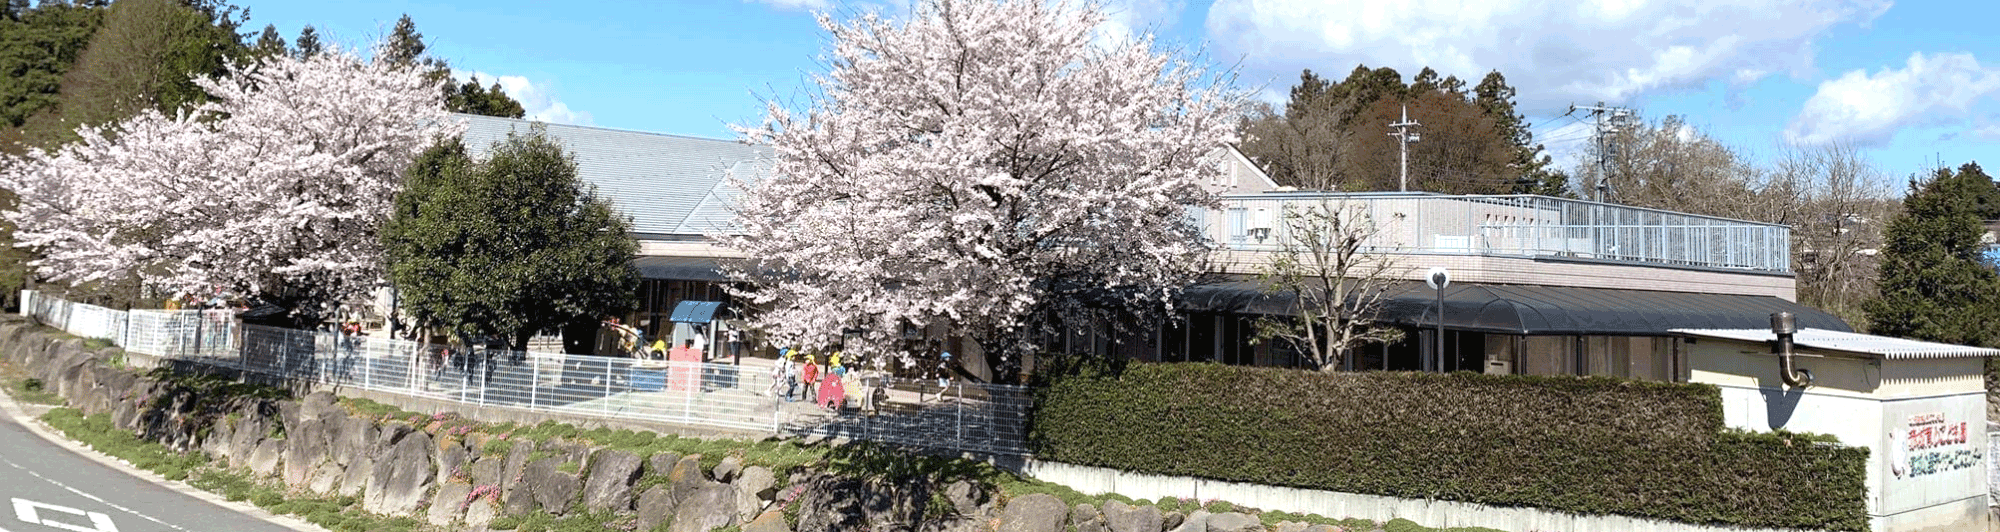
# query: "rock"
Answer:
x=517 y=461
x=771 y=521
x=321 y=405
x=353 y=437
x=402 y=475
x=661 y=463
x=1085 y=518
x=1121 y=517
x=449 y=503
x=1290 y=526
x=451 y=461
x=479 y=514
x=1171 y=520
x=304 y=450
x=1037 y=512
x=970 y=498
x=753 y=487
x=726 y=471
x=555 y=491
x=326 y=479
x=709 y=508
x=837 y=504
x=356 y=478
x=685 y=479
x=655 y=507
x=487 y=471
x=1196 y=521
x=1234 y=522
x=519 y=502
x=249 y=431
x=609 y=487
x=1325 y=528
x=264 y=460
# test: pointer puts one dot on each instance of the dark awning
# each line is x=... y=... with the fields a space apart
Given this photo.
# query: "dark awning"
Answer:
x=695 y=311
x=1531 y=310
x=678 y=268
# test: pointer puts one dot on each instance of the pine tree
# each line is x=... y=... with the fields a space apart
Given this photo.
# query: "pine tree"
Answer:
x=269 y=43
x=1936 y=284
x=308 y=44
x=405 y=45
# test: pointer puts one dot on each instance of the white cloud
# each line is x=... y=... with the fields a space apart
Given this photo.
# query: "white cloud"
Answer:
x=1555 y=53
x=801 y=5
x=538 y=99
x=1127 y=19
x=1868 y=109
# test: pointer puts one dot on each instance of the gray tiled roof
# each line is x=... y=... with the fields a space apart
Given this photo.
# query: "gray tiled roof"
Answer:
x=668 y=184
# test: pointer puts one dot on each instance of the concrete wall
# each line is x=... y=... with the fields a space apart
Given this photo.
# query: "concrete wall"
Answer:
x=1434 y=513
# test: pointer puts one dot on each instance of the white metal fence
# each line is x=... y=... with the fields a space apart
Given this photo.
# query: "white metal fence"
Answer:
x=1512 y=225
x=965 y=417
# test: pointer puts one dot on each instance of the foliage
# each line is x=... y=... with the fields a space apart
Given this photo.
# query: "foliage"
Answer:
x=1936 y=284
x=275 y=189
x=97 y=432
x=981 y=161
x=405 y=47
x=1337 y=287
x=37 y=46
x=509 y=246
x=1330 y=136
x=148 y=54
x=1580 y=444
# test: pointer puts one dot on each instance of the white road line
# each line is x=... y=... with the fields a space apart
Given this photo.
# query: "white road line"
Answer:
x=91 y=497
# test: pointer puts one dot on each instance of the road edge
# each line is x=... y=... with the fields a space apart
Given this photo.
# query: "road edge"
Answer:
x=14 y=411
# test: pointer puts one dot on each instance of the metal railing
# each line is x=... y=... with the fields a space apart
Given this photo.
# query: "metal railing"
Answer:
x=966 y=417
x=1513 y=225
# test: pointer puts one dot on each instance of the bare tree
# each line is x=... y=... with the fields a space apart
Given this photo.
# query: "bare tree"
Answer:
x=1842 y=203
x=1338 y=283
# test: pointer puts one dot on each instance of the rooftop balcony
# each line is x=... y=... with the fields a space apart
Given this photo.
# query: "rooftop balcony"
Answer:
x=1525 y=239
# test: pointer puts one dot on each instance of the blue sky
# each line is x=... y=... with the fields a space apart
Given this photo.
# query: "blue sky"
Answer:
x=1909 y=83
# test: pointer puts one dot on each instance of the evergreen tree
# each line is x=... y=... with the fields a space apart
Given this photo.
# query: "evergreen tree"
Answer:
x=269 y=43
x=506 y=247
x=471 y=97
x=405 y=46
x=37 y=46
x=308 y=44
x=147 y=54
x=1936 y=284
x=1534 y=174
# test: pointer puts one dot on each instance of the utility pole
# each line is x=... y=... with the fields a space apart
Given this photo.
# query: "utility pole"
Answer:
x=1618 y=118
x=1404 y=137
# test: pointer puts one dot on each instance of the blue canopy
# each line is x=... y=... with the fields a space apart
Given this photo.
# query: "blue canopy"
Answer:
x=695 y=311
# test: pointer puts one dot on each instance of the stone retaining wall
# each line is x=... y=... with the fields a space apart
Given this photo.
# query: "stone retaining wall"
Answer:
x=314 y=445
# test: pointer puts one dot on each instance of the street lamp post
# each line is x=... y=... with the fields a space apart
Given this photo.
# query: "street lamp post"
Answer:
x=1439 y=278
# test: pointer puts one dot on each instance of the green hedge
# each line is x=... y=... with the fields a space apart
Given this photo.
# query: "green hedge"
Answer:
x=1579 y=444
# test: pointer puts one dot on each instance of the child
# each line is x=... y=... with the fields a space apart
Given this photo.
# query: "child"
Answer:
x=809 y=375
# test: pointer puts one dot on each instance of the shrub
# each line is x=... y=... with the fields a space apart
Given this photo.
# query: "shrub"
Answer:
x=1579 y=444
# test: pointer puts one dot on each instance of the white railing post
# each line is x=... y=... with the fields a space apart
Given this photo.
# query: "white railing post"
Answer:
x=534 y=380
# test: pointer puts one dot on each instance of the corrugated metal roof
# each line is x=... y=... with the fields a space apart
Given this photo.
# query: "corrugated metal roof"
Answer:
x=668 y=184
x=1867 y=344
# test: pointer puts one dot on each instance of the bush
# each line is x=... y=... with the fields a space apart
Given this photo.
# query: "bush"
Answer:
x=1579 y=444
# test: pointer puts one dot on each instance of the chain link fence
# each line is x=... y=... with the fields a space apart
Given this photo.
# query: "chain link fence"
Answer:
x=967 y=417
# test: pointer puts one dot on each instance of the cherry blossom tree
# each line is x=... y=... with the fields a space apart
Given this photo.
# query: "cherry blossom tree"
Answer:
x=275 y=189
x=972 y=168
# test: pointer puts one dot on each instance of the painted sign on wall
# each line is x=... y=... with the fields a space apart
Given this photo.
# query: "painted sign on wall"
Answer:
x=1929 y=444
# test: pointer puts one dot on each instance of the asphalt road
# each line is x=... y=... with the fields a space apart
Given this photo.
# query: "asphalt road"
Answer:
x=46 y=487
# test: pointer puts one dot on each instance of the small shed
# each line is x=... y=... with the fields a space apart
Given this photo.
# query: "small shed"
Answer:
x=1919 y=408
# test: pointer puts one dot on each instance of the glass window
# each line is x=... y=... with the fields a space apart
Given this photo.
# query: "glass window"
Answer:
x=1499 y=355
